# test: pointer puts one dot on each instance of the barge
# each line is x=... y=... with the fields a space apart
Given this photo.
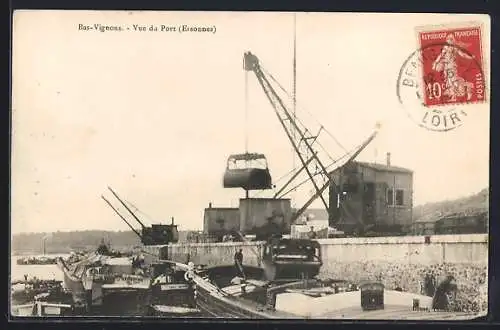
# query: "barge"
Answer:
x=287 y=286
x=103 y=284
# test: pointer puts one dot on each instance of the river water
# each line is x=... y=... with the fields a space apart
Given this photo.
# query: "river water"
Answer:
x=43 y=272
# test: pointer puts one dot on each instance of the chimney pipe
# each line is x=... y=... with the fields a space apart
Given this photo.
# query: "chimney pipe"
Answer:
x=388 y=159
x=210 y=205
x=172 y=221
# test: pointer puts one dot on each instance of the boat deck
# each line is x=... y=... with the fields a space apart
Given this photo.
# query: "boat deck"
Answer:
x=397 y=306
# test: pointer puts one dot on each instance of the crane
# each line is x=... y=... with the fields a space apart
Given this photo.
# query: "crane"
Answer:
x=156 y=234
x=303 y=141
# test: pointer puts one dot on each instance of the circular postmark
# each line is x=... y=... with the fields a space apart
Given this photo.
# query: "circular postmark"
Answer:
x=437 y=82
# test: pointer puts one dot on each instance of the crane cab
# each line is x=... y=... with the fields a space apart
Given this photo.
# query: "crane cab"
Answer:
x=248 y=171
x=159 y=234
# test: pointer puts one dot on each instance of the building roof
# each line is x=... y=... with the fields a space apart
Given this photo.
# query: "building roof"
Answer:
x=385 y=168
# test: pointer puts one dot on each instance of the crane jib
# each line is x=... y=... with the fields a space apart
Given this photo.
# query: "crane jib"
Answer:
x=126 y=207
x=251 y=63
x=123 y=218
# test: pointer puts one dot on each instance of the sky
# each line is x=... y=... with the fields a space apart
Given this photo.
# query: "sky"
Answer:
x=155 y=115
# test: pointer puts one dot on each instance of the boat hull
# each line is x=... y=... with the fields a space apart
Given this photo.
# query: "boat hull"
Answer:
x=212 y=304
x=123 y=302
x=179 y=294
x=309 y=299
x=168 y=311
x=105 y=299
x=72 y=284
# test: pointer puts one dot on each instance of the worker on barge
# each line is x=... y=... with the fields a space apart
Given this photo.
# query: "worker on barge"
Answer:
x=238 y=263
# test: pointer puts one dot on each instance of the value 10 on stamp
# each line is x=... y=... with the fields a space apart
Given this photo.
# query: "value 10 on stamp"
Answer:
x=444 y=75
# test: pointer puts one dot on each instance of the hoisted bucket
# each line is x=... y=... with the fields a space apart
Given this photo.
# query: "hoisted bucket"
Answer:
x=248 y=171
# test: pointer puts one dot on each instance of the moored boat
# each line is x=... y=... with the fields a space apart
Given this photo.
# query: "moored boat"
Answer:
x=40 y=308
x=26 y=291
x=172 y=295
x=260 y=293
x=105 y=283
x=43 y=260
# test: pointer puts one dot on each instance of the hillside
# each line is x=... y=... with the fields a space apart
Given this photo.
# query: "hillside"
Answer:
x=64 y=242
x=477 y=203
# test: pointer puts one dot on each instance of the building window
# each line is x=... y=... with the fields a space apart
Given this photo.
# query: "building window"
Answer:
x=390 y=197
x=399 y=197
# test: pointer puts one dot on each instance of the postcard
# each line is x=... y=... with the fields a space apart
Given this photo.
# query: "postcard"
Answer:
x=249 y=165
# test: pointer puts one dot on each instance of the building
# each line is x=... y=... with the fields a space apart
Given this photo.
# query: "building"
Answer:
x=452 y=223
x=260 y=214
x=372 y=197
x=254 y=216
x=221 y=220
x=462 y=223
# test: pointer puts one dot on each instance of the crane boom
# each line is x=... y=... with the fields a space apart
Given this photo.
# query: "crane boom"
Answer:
x=299 y=137
x=123 y=218
x=354 y=155
x=252 y=64
x=128 y=209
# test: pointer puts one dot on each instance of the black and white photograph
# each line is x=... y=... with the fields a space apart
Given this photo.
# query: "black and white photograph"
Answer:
x=249 y=165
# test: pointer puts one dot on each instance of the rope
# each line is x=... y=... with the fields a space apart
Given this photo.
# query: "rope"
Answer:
x=246 y=111
x=136 y=209
x=294 y=83
x=327 y=167
x=300 y=124
x=298 y=121
x=302 y=108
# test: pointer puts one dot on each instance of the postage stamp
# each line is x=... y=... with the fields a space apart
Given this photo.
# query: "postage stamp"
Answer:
x=443 y=75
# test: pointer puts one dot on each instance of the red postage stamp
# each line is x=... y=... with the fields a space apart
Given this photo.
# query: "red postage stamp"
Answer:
x=452 y=65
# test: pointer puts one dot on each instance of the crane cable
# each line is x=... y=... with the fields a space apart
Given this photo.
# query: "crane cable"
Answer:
x=310 y=114
x=246 y=112
x=136 y=209
x=294 y=93
x=302 y=108
x=298 y=121
x=314 y=175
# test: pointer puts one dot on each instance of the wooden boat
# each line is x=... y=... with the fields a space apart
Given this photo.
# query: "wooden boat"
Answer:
x=24 y=292
x=262 y=293
x=43 y=260
x=171 y=294
x=107 y=285
x=40 y=308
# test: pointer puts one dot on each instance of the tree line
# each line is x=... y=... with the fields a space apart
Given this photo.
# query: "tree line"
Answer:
x=65 y=242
